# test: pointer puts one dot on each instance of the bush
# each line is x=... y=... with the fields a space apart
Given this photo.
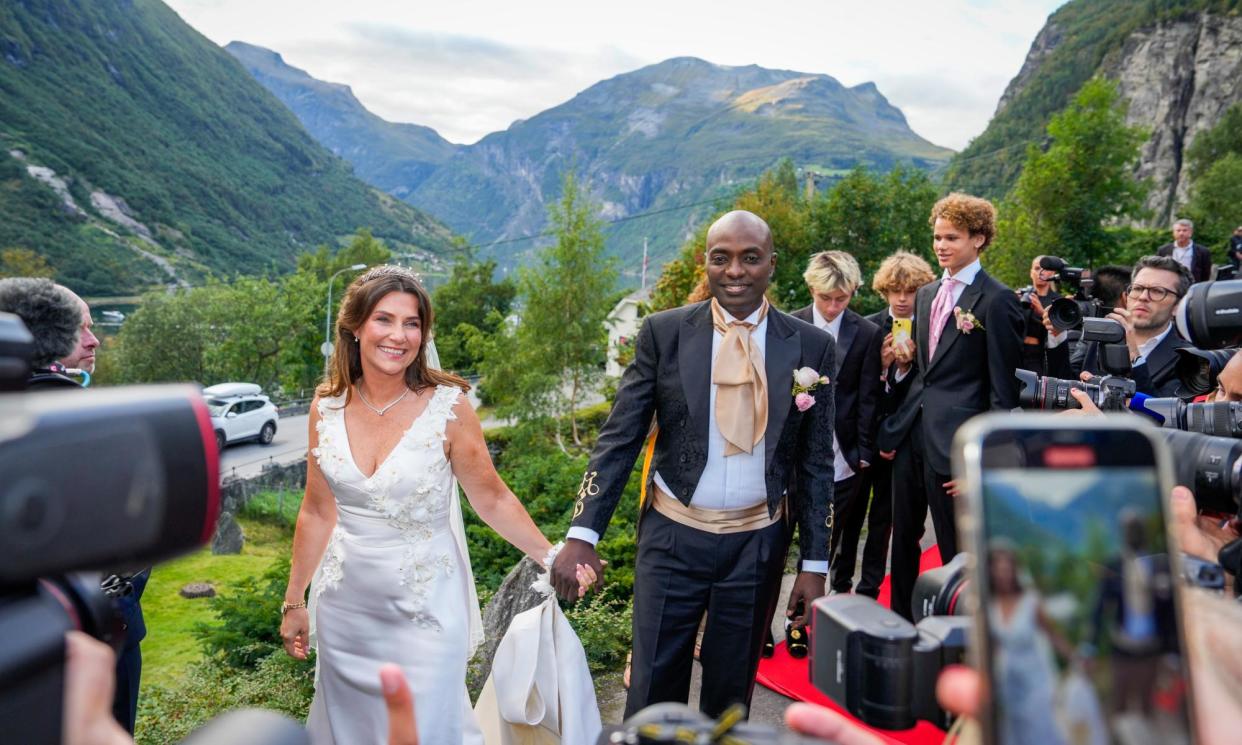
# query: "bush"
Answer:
x=603 y=627
x=277 y=681
x=248 y=630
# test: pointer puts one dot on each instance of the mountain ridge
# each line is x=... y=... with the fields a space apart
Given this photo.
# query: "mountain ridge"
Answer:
x=685 y=131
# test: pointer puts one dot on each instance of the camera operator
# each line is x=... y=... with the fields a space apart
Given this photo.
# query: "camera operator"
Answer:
x=1034 y=298
x=52 y=316
x=1159 y=282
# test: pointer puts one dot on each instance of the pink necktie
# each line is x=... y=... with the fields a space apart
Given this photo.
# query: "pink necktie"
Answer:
x=942 y=308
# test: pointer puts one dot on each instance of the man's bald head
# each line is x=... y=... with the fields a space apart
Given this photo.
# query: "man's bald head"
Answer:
x=741 y=223
x=739 y=262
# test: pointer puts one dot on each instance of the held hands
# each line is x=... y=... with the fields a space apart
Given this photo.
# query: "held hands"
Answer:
x=576 y=568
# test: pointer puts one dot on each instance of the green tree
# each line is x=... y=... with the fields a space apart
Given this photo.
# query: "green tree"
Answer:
x=22 y=262
x=1069 y=193
x=1215 y=160
x=470 y=303
x=556 y=354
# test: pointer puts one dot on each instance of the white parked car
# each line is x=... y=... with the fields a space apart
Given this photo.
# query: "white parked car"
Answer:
x=240 y=411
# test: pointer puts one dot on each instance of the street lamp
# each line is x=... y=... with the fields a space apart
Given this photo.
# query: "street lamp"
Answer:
x=326 y=349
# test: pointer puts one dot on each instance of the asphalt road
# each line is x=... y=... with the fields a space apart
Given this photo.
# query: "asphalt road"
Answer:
x=248 y=458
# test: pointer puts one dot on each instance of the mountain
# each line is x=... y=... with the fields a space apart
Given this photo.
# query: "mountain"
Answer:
x=394 y=157
x=1176 y=62
x=670 y=139
x=137 y=152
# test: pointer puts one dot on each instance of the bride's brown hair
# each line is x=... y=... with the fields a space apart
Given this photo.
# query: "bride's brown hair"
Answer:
x=363 y=294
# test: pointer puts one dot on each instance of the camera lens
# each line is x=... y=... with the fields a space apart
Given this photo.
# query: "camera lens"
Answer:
x=1064 y=313
x=939 y=592
x=1219 y=419
x=1197 y=368
x=1210 y=316
x=1211 y=467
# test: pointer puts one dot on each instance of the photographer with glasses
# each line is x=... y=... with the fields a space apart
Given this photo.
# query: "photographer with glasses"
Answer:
x=1157 y=284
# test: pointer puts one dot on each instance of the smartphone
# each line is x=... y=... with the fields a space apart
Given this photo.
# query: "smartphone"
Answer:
x=902 y=330
x=1077 y=607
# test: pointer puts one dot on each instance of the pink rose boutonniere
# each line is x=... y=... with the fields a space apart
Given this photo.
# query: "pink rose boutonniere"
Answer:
x=966 y=321
x=805 y=381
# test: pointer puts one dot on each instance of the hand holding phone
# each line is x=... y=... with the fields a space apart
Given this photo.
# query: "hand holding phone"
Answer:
x=1077 y=621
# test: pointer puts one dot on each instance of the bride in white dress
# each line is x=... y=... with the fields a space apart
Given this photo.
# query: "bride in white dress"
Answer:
x=380 y=526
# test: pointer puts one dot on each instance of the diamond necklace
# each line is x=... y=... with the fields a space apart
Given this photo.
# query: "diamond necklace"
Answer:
x=383 y=410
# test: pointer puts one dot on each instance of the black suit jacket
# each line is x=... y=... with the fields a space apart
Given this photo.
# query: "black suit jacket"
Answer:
x=858 y=384
x=1200 y=260
x=1156 y=377
x=971 y=372
x=670 y=378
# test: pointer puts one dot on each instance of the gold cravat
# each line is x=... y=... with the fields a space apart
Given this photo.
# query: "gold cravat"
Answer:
x=741 y=383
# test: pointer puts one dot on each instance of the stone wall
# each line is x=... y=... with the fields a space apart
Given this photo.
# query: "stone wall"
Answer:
x=234 y=493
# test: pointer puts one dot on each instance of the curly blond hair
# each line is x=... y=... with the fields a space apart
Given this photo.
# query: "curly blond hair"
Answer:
x=975 y=215
x=902 y=271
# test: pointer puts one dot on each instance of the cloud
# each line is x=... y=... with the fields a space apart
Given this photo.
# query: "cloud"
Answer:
x=462 y=86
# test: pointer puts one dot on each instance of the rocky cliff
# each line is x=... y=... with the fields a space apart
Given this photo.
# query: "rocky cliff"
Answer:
x=1177 y=62
x=1179 y=77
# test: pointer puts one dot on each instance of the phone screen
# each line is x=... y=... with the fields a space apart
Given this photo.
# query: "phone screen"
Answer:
x=1077 y=590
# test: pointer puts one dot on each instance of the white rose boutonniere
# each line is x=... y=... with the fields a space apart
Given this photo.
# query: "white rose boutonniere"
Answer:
x=966 y=321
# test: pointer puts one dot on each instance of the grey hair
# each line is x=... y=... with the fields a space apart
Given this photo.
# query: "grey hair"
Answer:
x=1185 y=222
x=50 y=312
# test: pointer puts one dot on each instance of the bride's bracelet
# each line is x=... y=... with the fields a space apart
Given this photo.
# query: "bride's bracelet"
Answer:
x=551 y=556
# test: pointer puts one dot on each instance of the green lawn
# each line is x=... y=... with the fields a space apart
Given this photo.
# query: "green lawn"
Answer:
x=170 y=644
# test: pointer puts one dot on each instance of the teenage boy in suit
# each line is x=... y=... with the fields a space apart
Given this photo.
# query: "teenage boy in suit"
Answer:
x=968 y=330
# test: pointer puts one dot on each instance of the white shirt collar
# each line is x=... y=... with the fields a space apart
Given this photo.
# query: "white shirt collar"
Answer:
x=833 y=327
x=968 y=273
x=753 y=318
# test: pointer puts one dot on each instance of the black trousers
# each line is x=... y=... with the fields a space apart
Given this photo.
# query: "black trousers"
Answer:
x=878 y=479
x=917 y=489
x=849 y=511
x=681 y=573
x=125 y=697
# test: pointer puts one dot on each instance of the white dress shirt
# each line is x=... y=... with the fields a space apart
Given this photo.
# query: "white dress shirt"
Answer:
x=731 y=483
x=841 y=469
x=1184 y=256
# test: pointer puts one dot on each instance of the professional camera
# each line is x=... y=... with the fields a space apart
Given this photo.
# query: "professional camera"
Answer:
x=1211 y=467
x=1219 y=419
x=1109 y=392
x=941 y=591
x=1197 y=368
x=677 y=723
x=1068 y=312
x=1210 y=316
x=878 y=665
x=115 y=481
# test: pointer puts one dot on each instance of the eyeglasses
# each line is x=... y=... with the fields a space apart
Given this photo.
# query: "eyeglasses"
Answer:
x=1157 y=294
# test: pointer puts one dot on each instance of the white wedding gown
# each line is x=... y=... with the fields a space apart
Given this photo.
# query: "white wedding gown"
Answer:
x=394 y=586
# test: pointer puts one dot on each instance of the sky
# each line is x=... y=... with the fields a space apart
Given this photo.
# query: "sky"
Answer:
x=470 y=67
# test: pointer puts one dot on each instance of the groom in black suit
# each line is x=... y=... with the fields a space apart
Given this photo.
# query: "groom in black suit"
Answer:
x=969 y=331
x=718 y=376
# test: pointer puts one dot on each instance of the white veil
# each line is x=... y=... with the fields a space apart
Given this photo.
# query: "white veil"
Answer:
x=458 y=523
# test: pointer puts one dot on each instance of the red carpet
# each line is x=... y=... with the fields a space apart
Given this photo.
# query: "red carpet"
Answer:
x=792 y=678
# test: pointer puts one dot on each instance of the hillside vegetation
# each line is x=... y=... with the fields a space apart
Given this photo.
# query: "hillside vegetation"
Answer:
x=1068 y=52
x=166 y=151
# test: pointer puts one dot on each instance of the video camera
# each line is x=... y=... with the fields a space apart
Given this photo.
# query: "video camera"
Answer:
x=90 y=485
x=1068 y=312
x=879 y=666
